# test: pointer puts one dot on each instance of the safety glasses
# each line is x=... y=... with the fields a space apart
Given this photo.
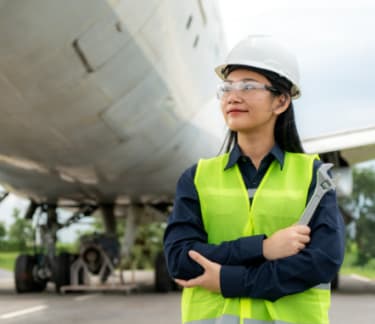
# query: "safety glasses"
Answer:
x=225 y=88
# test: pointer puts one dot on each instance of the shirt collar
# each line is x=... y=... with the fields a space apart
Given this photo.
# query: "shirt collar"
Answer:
x=236 y=154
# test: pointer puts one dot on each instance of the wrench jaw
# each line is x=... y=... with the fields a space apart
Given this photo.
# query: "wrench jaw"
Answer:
x=324 y=183
x=327 y=185
x=323 y=179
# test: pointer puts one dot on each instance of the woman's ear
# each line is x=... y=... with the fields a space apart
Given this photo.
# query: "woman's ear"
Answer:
x=281 y=103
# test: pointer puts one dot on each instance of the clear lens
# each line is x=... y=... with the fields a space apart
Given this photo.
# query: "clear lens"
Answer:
x=225 y=88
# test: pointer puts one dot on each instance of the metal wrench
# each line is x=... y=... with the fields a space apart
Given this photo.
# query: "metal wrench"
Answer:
x=324 y=184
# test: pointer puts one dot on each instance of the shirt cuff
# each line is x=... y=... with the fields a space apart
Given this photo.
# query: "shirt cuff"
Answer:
x=232 y=281
x=251 y=248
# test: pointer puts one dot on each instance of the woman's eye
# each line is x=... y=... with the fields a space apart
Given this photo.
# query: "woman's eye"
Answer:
x=226 y=88
x=248 y=86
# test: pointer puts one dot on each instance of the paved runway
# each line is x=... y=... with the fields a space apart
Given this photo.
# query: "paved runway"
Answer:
x=353 y=303
x=4 y=274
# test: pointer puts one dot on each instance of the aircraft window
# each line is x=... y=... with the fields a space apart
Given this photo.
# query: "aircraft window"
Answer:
x=196 y=40
x=190 y=19
x=203 y=14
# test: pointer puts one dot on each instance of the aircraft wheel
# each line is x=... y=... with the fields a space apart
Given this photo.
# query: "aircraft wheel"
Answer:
x=61 y=271
x=163 y=282
x=335 y=282
x=23 y=273
x=39 y=284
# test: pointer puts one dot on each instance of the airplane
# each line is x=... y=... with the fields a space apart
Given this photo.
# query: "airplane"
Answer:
x=104 y=104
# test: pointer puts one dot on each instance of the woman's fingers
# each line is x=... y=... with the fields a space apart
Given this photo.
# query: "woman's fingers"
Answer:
x=189 y=283
x=200 y=259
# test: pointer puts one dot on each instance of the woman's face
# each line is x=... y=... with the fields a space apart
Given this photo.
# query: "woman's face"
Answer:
x=250 y=109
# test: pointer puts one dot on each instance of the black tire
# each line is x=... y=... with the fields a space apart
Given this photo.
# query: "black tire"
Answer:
x=39 y=284
x=24 y=277
x=163 y=282
x=335 y=283
x=61 y=271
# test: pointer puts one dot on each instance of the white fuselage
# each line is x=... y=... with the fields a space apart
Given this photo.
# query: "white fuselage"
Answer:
x=110 y=100
x=105 y=100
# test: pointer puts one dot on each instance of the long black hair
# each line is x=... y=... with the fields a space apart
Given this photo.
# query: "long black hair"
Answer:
x=286 y=134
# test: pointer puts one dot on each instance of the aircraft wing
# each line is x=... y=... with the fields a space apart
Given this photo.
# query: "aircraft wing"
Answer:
x=355 y=145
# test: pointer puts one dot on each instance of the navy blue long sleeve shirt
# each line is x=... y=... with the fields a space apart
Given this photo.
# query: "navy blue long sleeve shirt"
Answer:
x=245 y=272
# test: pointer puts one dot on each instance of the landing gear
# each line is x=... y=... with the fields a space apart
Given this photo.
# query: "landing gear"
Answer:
x=335 y=283
x=61 y=270
x=95 y=264
x=163 y=282
x=26 y=267
x=33 y=272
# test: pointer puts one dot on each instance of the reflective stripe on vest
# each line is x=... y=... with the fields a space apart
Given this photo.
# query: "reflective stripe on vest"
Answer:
x=227 y=215
x=228 y=319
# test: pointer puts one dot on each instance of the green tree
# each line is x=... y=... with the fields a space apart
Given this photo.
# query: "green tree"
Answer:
x=362 y=206
x=3 y=231
x=148 y=243
x=21 y=231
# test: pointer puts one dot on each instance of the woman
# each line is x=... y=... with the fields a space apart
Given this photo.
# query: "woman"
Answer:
x=231 y=239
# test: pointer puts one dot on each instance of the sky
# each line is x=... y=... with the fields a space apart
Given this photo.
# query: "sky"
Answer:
x=335 y=46
x=66 y=235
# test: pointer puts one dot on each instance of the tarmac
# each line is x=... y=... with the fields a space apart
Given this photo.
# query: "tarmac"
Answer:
x=352 y=303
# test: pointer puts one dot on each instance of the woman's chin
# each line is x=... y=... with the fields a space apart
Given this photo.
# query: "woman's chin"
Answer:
x=237 y=128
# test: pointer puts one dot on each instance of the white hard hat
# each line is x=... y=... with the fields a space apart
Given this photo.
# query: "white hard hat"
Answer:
x=263 y=52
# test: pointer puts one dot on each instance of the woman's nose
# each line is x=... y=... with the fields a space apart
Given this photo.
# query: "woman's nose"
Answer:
x=234 y=97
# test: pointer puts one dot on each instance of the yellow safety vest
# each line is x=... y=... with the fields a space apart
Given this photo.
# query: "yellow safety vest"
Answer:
x=227 y=215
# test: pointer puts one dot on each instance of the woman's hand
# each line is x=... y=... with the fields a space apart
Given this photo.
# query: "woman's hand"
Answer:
x=209 y=280
x=286 y=242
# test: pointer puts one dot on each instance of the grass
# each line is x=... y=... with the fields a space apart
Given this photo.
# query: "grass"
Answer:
x=362 y=271
x=7 y=260
x=349 y=266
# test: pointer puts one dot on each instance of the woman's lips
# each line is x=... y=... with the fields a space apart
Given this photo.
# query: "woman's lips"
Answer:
x=236 y=111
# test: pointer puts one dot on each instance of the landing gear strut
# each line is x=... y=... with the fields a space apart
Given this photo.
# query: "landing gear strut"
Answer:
x=33 y=272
